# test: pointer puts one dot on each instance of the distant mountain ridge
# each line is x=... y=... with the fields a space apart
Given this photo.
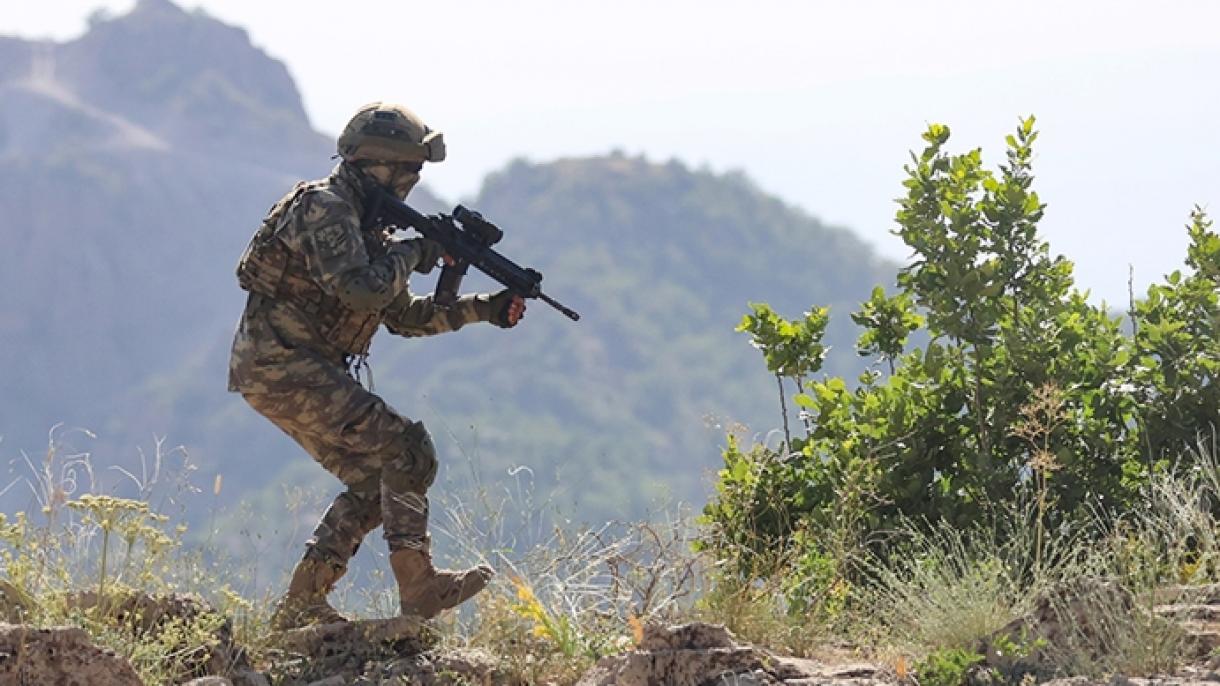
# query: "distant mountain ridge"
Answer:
x=163 y=79
x=135 y=162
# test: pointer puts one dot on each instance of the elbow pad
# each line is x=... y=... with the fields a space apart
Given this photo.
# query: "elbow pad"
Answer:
x=363 y=291
x=407 y=252
x=373 y=288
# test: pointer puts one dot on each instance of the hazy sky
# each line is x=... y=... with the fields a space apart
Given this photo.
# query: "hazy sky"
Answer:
x=818 y=102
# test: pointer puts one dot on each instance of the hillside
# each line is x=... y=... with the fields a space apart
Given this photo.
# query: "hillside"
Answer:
x=135 y=162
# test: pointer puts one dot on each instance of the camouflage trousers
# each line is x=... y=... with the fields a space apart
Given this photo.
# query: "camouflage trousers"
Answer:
x=386 y=461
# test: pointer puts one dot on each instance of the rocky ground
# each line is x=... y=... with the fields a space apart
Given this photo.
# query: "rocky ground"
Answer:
x=397 y=651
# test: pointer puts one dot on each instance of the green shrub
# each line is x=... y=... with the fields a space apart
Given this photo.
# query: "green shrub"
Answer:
x=946 y=667
x=1021 y=390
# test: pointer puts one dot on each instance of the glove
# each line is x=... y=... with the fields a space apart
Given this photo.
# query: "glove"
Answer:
x=424 y=251
x=506 y=309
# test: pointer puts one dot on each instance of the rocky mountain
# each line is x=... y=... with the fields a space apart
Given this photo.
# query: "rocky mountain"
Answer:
x=135 y=162
x=128 y=166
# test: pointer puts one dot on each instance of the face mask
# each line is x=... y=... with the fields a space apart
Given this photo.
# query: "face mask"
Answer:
x=403 y=180
x=397 y=178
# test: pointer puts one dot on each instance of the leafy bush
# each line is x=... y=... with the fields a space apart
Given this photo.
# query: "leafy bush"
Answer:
x=946 y=667
x=1021 y=390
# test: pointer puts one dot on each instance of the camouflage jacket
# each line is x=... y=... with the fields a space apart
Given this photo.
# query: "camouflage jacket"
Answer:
x=320 y=286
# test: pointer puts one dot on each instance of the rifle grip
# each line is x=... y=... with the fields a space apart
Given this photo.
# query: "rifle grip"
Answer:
x=449 y=284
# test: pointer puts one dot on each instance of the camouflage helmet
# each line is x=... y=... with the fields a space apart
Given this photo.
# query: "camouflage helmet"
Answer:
x=390 y=133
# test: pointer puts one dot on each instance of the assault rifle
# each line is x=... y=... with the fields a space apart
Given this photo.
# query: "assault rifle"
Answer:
x=467 y=238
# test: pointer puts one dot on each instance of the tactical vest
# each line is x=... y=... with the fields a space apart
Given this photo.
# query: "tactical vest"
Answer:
x=268 y=267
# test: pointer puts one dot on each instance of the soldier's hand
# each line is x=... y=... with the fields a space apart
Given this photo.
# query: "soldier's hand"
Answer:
x=507 y=308
x=427 y=251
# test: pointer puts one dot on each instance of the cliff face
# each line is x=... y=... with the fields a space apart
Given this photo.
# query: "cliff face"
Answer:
x=160 y=78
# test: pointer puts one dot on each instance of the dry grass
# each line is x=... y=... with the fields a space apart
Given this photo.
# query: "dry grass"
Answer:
x=1095 y=584
x=570 y=596
x=566 y=596
x=85 y=556
x=1172 y=542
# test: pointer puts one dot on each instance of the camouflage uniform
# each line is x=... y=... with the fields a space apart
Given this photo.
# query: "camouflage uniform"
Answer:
x=320 y=286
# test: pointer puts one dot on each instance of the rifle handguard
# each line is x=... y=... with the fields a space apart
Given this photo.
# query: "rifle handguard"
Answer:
x=467 y=245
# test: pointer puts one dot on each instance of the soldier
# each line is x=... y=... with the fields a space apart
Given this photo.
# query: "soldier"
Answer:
x=320 y=284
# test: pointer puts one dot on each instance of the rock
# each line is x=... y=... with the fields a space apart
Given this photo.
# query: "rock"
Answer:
x=1086 y=616
x=1197 y=611
x=249 y=677
x=209 y=681
x=1199 y=673
x=1077 y=615
x=703 y=655
x=351 y=650
x=1186 y=678
x=143 y=613
x=1121 y=680
x=450 y=669
x=850 y=671
x=323 y=639
x=800 y=672
x=690 y=667
x=696 y=636
x=794 y=668
x=1200 y=612
x=1208 y=594
x=683 y=655
x=460 y=667
x=330 y=681
x=61 y=655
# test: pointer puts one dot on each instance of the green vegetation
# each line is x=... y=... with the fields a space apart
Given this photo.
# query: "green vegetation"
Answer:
x=1029 y=441
x=946 y=667
x=112 y=567
x=121 y=571
x=1021 y=493
x=947 y=601
x=1024 y=391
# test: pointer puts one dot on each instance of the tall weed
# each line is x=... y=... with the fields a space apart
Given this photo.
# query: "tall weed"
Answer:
x=89 y=558
x=936 y=586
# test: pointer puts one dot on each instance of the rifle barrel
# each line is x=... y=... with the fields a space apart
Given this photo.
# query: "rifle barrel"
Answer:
x=567 y=311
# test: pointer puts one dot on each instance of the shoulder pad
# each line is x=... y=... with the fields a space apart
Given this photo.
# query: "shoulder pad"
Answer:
x=321 y=204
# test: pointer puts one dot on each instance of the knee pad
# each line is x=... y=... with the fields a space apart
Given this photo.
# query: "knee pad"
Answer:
x=414 y=468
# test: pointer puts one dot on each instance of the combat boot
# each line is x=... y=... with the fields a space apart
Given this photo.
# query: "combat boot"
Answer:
x=305 y=602
x=424 y=590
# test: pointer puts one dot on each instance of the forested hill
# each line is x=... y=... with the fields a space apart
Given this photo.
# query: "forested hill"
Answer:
x=135 y=162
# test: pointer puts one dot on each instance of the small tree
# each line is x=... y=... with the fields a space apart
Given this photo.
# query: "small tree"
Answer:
x=1174 y=360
